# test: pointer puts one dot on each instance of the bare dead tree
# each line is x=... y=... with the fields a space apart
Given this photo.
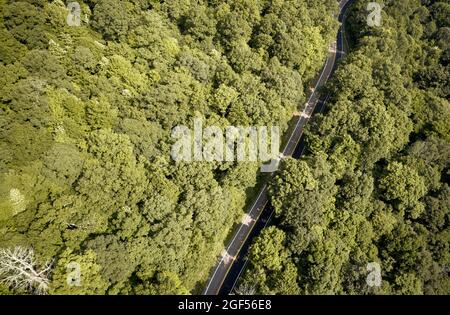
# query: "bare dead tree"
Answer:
x=244 y=289
x=19 y=270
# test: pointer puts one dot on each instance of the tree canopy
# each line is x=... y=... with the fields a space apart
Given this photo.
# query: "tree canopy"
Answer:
x=373 y=184
x=86 y=114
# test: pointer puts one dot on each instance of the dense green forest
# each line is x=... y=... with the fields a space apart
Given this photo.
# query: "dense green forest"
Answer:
x=86 y=114
x=373 y=185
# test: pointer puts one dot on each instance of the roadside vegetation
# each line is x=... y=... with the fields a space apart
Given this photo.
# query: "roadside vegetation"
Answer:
x=86 y=114
x=373 y=186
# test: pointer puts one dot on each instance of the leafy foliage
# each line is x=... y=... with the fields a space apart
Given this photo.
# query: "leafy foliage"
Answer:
x=373 y=185
x=85 y=119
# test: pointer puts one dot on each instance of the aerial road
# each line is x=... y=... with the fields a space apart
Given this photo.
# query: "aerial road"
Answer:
x=228 y=270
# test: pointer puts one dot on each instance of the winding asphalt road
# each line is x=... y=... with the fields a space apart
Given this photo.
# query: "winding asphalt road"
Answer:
x=233 y=260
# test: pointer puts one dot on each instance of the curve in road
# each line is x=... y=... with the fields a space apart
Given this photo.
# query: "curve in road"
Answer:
x=233 y=261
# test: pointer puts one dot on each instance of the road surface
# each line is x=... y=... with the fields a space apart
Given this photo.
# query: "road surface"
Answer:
x=232 y=261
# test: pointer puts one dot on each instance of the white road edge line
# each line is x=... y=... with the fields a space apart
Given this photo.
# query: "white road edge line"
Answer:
x=246 y=262
x=271 y=214
x=235 y=235
x=307 y=103
x=265 y=185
